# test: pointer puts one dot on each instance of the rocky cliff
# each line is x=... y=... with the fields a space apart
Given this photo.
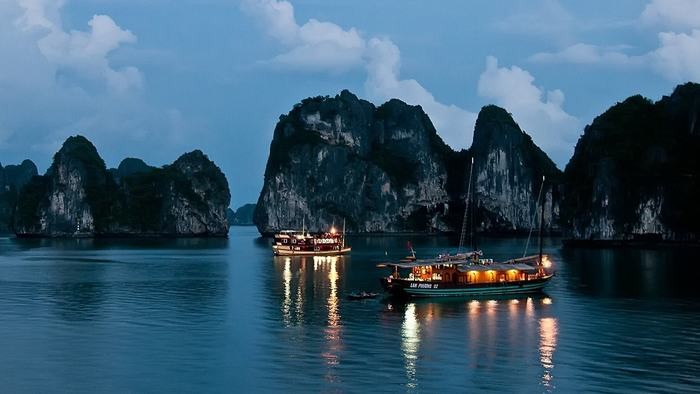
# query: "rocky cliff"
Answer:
x=12 y=180
x=508 y=169
x=78 y=196
x=634 y=173
x=385 y=169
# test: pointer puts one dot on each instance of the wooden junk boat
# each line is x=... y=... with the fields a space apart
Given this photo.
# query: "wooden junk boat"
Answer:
x=468 y=274
x=304 y=243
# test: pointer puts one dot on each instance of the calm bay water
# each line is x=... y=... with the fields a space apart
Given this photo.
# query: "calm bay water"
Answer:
x=225 y=316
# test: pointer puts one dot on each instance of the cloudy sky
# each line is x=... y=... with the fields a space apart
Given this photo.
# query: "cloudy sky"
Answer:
x=156 y=78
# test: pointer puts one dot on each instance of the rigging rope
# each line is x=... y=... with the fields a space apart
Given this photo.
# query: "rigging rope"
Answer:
x=466 y=208
x=534 y=215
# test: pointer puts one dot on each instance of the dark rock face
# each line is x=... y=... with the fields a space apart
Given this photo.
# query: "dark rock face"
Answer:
x=342 y=158
x=78 y=196
x=508 y=169
x=635 y=171
x=242 y=216
x=12 y=180
x=382 y=169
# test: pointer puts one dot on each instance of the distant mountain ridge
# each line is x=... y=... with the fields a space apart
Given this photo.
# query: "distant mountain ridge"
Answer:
x=78 y=196
x=243 y=216
x=130 y=166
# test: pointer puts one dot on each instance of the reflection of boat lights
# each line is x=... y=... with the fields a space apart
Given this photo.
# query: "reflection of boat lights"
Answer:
x=548 y=344
x=333 y=329
x=299 y=307
x=333 y=315
x=513 y=309
x=547 y=301
x=546 y=262
x=473 y=307
x=491 y=307
x=410 y=339
x=287 y=276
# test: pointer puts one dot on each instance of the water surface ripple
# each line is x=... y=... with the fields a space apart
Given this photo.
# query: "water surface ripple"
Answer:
x=224 y=315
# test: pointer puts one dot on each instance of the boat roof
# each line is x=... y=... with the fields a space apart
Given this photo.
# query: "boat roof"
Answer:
x=465 y=263
x=459 y=258
x=306 y=234
x=496 y=267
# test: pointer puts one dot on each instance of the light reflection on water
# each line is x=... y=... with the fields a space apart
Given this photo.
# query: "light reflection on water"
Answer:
x=287 y=303
x=333 y=329
x=178 y=317
x=548 y=344
x=410 y=342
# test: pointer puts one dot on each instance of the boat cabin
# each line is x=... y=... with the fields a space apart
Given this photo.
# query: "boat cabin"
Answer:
x=462 y=272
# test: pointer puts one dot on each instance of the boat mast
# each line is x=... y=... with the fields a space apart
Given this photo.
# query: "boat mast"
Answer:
x=532 y=220
x=303 y=225
x=466 y=210
x=542 y=219
x=343 y=247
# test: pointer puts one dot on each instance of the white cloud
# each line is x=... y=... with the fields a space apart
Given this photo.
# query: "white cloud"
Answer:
x=313 y=46
x=540 y=18
x=325 y=46
x=539 y=113
x=55 y=83
x=673 y=14
x=84 y=53
x=455 y=125
x=587 y=54
x=276 y=17
x=678 y=56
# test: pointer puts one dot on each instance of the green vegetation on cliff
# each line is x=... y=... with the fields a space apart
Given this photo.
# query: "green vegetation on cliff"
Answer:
x=639 y=151
x=78 y=194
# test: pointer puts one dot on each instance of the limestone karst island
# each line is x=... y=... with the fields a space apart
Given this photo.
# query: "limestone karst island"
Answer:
x=288 y=196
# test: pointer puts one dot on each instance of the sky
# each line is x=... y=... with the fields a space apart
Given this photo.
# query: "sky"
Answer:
x=156 y=78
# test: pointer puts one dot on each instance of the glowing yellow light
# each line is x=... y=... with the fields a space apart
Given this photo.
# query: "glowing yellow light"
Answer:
x=514 y=301
x=547 y=301
x=546 y=262
x=333 y=230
